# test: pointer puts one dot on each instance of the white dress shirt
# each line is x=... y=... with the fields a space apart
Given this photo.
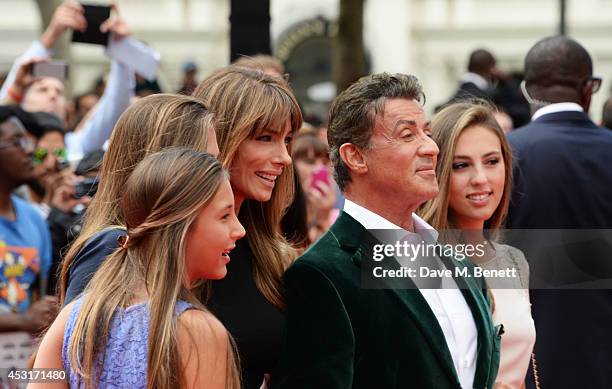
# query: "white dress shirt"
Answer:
x=448 y=305
x=557 y=107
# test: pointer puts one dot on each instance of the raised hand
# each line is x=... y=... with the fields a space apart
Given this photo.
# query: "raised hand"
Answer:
x=23 y=79
x=63 y=196
x=117 y=26
x=69 y=15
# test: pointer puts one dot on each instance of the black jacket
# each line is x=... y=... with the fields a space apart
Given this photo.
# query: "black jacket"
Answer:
x=563 y=180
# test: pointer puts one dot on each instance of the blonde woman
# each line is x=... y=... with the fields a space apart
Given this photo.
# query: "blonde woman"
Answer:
x=137 y=324
x=474 y=174
x=257 y=115
x=149 y=125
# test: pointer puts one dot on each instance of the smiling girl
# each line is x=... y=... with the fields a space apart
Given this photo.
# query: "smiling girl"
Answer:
x=474 y=174
x=137 y=324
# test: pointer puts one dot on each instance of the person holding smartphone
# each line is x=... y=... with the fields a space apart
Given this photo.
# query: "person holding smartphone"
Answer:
x=311 y=158
x=47 y=93
x=68 y=207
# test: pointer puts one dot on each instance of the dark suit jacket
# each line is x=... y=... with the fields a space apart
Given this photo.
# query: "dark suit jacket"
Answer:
x=563 y=179
x=563 y=173
x=467 y=91
x=341 y=336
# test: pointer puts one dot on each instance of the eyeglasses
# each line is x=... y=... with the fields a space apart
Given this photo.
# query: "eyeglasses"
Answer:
x=24 y=143
x=594 y=83
x=41 y=153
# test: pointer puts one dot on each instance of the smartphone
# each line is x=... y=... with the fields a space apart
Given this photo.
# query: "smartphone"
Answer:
x=87 y=187
x=57 y=69
x=95 y=15
x=320 y=174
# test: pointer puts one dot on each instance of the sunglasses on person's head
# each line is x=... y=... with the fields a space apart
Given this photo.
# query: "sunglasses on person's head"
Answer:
x=41 y=153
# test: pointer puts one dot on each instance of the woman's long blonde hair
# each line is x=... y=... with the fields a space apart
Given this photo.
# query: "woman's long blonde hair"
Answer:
x=244 y=102
x=162 y=197
x=446 y=126
x=149 y=125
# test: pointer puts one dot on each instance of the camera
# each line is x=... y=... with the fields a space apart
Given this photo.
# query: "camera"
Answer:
x=87 y=187
x=62 y=164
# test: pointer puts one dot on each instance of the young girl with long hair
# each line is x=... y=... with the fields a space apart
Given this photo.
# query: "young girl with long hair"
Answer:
x=257 y=115
x=474 y=173
x=149 y=125
x=138 y=324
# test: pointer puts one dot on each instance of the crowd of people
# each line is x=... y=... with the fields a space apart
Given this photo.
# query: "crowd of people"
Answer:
x=213 y=238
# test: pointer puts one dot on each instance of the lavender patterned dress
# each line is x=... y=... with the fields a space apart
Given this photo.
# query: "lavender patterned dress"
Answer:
x=125 y=365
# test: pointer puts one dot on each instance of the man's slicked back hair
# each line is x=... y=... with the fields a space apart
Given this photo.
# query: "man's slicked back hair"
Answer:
x=354 y=111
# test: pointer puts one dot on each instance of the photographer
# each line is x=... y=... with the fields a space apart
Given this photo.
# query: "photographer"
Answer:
x=47 y=93
x=69 y=202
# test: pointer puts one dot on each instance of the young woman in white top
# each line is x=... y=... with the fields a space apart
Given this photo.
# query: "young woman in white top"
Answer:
x=474 y=172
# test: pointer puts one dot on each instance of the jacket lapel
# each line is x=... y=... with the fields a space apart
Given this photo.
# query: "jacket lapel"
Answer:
x=352 y=235
x=479 y=306
x=486 y=332
x=416 y=305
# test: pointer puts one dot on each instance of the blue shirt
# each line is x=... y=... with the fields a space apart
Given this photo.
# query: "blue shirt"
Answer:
x=25 y=256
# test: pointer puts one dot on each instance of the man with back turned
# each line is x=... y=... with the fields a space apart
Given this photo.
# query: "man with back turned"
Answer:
x=563 y=180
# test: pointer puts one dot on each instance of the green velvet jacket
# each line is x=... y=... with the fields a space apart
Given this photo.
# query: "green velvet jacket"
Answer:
x=341 y=336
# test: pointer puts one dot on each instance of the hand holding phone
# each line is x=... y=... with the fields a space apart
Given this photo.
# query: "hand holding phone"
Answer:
x=95 y=15
x=322 y=194
x=67 y=192
x=24 y=77
x=117 y=26
x=320 y=174
x=86 y=187
x=69 y=15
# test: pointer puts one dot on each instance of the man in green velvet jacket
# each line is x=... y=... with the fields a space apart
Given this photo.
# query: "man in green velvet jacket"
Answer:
x=342 y=335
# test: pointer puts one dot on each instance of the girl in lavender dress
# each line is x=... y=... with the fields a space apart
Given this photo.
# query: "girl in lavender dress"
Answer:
x=137 y=325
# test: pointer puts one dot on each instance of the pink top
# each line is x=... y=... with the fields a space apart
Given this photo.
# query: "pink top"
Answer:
x=513 y=309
